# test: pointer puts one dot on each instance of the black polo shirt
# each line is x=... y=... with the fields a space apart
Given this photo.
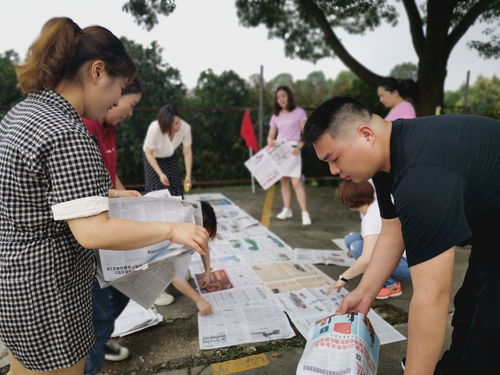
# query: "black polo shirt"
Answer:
x=445 y=177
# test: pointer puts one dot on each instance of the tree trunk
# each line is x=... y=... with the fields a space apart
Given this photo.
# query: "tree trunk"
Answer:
x=434 y=58
x=430 y=85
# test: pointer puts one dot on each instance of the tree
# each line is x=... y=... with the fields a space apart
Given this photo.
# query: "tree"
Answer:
x=283 y=79
x=406 y=70
x=9 y=92
x=162 y=84
x=218 y=150
x=308 y=30
x=483 y=97
x=145 y=11
x=313 y=90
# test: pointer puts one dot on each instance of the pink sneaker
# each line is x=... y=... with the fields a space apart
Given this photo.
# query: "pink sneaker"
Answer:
x=393 y=290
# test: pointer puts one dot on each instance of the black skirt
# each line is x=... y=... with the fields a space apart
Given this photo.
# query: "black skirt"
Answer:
x=169 y=166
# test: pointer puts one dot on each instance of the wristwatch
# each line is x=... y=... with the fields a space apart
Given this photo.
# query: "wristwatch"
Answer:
x=341 y=277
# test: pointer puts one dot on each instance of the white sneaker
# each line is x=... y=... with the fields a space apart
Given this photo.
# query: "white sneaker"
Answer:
x=285 y=213
x=115 y=352
x=164 y=299
x=306 y=219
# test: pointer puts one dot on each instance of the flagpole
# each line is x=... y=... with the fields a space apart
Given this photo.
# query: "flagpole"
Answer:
x=251 y=174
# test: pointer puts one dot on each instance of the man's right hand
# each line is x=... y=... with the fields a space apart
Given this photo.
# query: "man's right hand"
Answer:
x=356 y=301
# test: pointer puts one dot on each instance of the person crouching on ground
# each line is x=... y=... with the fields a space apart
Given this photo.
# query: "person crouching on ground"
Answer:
x=360 y=197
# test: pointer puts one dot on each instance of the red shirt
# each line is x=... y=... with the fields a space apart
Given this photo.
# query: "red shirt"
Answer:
x=106 y=140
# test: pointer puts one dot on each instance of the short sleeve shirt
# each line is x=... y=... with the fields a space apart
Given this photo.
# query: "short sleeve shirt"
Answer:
x=371 y=222
x=50 y=171
x=106 y=141
x=163 y=146
x=401 y=111
x=289 y=124
x=445 y=175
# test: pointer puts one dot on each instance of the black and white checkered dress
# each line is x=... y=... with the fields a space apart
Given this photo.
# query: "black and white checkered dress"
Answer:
x=47 y=162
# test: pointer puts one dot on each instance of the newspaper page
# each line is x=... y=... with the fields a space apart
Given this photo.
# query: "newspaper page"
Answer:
x=115 y=264
x=248 y=296
x=303 y=322
x=315 y=256
x=146 y=283
x=243 y=324
x=271 y=163
x=342 y=344
x=301 y=303
x=215 y=198
x=340 y=243
x=218 y=281
x=282 y=271
x=135 y=318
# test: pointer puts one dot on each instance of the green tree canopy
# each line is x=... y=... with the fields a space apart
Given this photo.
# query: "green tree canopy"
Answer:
x=309 y=31
x=218 y=150
x=407 y=70
x=483 y=97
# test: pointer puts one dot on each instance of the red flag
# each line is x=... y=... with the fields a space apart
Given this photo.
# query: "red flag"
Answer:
x=247 y=132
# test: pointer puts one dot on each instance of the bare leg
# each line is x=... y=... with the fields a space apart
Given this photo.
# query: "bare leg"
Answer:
x=16 y=368
x=285 y=191
x=300 y=193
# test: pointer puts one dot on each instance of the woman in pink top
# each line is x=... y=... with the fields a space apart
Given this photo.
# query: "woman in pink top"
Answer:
x=390 y=92
x=287 y=123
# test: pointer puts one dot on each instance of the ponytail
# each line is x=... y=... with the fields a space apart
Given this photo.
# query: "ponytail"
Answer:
x=49 y=55
x=63 y=48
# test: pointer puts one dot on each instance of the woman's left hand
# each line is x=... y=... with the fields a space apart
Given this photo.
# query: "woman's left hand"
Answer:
x=296 y=151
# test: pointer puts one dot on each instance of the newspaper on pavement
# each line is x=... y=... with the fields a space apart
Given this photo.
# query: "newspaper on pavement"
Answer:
x=314 y=256
x=241 y=325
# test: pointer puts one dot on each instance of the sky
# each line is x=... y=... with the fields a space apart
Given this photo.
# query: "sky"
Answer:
x=205 y=34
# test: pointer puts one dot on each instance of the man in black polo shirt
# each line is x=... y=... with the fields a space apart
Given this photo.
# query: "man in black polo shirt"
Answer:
x=444 y=175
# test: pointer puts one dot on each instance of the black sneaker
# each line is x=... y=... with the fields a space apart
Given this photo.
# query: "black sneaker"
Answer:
x=403 y=363
x=115 y=352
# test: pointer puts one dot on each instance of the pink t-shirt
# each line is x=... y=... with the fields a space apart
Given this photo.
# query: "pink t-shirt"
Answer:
x=402 y=110
x=288 y=125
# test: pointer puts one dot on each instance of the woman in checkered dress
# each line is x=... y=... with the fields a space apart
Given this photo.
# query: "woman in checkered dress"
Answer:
x=161 y=167
x=54 y=198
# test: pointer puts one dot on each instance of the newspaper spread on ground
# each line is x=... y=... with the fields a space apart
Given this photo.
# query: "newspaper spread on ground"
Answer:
x=241 y=325
x=340 y=243
x=315 y=256
x=252 y=267
x=342 y=344
x=271 y=163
